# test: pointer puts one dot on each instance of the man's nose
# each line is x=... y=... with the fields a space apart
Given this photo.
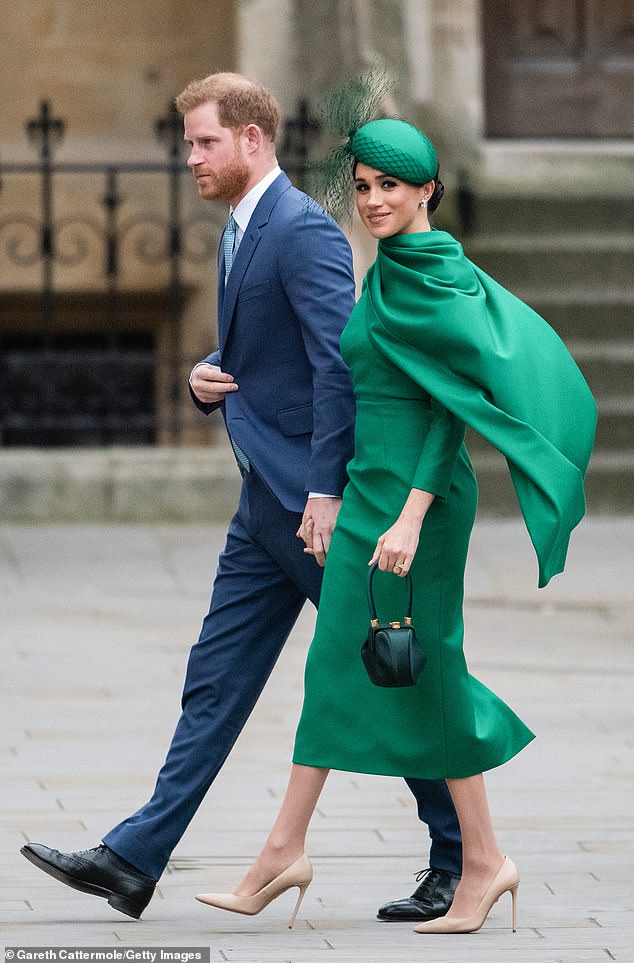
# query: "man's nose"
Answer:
x=193 y=158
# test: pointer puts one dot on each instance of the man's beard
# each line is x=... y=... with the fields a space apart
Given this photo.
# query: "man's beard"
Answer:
x=227 y=183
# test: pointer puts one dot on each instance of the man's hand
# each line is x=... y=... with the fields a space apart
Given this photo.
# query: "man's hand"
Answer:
x=318 y=522
x=210 y=384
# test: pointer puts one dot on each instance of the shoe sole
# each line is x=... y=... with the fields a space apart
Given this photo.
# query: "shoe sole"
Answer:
x=409 y=919
x=114 y=899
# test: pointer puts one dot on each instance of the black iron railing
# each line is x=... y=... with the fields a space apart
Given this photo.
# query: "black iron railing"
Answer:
x=80 y=361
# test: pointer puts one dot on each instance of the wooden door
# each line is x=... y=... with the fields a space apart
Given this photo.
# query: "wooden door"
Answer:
x=559 y=68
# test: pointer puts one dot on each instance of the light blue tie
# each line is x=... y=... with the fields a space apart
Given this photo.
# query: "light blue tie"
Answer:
x=228 y=242
x=243 y=462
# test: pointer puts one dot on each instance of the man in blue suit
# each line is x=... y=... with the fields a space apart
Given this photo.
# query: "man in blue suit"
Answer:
x=285 y=291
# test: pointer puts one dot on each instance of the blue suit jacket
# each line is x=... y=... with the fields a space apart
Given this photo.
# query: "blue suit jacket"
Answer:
x=287 y=299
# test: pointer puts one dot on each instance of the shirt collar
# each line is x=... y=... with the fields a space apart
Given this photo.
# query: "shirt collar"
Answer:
x=245 y=208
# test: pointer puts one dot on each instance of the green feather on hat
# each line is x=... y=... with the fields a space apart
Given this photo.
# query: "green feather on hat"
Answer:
x=389 y=145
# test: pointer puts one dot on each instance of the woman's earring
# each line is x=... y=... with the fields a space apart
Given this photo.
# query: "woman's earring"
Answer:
x=423 y=203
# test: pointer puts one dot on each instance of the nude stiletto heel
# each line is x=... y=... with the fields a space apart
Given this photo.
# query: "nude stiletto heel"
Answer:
x=514 y=898
x=299 y=874
x=302 y=890
x=507 y=880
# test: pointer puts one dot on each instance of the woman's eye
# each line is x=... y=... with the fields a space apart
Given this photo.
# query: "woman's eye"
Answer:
x=388 y=185
x=360 y=188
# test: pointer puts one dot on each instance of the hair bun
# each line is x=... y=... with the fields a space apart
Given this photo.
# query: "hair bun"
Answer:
x=436 y=197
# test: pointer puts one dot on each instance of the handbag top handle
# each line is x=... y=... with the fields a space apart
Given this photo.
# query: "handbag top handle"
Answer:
x=371 y=604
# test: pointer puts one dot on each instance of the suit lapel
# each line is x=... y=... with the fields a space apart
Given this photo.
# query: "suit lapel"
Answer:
x=241 y=260
x=228 y=294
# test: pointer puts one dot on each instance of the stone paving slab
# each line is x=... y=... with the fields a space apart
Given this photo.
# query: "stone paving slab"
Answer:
x=96 y=625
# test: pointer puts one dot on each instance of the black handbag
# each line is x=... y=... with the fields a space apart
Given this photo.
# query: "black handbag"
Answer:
x=392 y=654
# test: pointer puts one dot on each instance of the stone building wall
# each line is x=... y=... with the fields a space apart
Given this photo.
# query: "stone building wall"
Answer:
x=108 y=69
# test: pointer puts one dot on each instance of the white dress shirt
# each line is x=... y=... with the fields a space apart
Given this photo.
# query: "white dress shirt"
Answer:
x=244 y=209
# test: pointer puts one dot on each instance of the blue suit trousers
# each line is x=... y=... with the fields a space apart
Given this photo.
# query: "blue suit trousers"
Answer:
x=261 y=585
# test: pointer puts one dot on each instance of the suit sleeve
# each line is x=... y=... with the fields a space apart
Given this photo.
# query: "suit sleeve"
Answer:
x=316 y=272
x=440 y=450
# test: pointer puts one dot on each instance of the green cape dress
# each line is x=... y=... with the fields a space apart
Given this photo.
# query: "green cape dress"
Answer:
x=434 y=344
x=494 y=362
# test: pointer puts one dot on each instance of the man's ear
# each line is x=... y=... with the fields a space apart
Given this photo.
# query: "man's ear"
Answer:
x=253 y=137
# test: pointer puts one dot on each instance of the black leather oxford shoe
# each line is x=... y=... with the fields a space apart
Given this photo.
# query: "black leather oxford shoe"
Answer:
x=99 y=872
x=431 y=899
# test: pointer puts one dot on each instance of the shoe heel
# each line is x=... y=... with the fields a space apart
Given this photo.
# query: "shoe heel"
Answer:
x=514 y=907
x=302 y=890
x=126 y=906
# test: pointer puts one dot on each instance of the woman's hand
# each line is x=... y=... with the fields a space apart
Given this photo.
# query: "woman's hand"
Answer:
x=396 y=548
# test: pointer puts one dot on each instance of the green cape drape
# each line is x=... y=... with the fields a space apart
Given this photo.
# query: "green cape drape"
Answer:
x=497 y=365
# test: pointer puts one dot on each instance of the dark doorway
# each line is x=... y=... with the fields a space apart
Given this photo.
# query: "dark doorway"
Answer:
x=78 y=390
x=559 y=68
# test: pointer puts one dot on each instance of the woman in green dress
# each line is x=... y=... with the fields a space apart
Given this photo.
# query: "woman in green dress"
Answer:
x=433 y=344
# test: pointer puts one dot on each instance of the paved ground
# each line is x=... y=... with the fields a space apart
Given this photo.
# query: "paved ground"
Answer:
x=96 y=623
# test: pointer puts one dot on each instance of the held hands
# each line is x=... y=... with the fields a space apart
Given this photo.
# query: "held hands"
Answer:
x=210 y=384
x=318 y=522
x=396 y=548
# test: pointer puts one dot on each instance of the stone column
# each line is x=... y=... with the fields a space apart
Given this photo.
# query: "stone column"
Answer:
x=457 y=102
x=338 y=38
x=267 y=48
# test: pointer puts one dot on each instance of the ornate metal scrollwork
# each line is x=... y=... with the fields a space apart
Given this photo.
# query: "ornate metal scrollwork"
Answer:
x=72 y=247
x=21 y=249
x=103 y=390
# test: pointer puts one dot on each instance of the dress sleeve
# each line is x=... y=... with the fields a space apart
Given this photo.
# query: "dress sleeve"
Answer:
x=438 y=458
x=497 y=365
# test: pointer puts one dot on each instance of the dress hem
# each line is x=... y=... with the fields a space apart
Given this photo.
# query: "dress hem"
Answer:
x=461 y=773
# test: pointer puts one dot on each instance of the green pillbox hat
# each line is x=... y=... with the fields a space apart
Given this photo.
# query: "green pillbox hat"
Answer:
x=397 y=148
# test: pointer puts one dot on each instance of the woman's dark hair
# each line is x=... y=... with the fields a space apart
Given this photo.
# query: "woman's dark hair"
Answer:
x=436 y=197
